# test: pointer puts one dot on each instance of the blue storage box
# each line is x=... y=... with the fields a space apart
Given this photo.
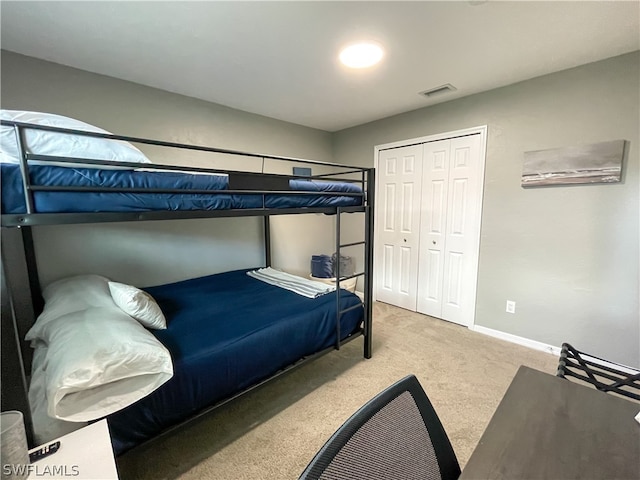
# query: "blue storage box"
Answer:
x=321 y=266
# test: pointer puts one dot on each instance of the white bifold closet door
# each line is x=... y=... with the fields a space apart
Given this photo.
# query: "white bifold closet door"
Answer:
x=399 y=179
x=428 y=226
x=449 y=228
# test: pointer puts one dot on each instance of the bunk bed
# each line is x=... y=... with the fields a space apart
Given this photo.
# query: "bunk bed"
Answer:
x=227 y=333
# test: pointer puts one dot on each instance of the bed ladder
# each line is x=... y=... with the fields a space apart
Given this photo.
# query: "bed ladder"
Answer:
x=366 y=273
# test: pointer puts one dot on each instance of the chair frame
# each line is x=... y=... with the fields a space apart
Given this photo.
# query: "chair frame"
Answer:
x=445 y=455
x=573 y=361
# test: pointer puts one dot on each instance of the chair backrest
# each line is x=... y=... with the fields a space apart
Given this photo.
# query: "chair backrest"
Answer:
x=603 y=374
x=396 y=435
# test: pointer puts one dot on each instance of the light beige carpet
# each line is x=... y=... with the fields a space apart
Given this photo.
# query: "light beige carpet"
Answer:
x=273 y=432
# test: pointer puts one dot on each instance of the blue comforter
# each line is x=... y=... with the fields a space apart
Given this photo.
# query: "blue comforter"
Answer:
x=225 y=333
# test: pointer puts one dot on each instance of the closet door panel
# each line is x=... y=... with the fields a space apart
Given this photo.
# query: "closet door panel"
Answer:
x=433 y=221
x=462 y=230
x=433 y=287
x=398 y=223
x=454 y=275
x=387 y=267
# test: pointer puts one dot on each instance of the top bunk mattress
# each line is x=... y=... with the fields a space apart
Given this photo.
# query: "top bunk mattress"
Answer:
x=323 y=193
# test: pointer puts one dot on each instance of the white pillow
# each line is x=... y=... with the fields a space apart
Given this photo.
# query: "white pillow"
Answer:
x=139 y=304
x=98 y=361
x=45 y=428
x=60 y=144
x=69 y=295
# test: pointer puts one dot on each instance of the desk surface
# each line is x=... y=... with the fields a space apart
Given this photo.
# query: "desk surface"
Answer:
x=550 y=428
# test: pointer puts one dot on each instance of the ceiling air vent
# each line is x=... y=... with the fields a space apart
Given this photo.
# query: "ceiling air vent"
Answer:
x=442 y=89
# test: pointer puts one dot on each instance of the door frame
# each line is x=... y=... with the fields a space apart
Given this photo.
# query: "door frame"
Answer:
x=482 y=131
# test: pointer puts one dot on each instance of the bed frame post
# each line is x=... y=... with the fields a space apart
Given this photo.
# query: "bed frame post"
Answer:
x=22 y=283
x=24 y=169
x=13 y=379
x=267 y=241
x=368 y=278
x=17 y=317
x=338 y=274
x=32 y=269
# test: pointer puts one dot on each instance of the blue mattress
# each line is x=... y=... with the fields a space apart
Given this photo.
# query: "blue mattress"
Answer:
x=225 y=333
x=75 y=202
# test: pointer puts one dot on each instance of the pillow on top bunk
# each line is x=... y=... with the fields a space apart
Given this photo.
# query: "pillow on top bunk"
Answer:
x=60 y=144
x=139 y=304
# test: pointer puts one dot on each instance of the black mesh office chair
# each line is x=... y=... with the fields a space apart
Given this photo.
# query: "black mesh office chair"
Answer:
x=396 y=435
x=603 y=374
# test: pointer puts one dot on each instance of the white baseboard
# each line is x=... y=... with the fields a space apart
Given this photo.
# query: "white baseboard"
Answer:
x=526 y=342
x=543 y=347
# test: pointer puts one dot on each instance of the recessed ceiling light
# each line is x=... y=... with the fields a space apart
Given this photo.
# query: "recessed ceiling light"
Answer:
x=361 y=55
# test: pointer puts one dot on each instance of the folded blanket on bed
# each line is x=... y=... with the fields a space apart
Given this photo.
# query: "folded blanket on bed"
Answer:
x=299 y=285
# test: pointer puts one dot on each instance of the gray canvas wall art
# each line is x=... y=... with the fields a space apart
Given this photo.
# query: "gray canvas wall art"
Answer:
x=594 y=163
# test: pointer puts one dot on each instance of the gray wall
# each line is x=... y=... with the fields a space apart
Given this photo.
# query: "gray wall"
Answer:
x=569 y=256
x=145 y=254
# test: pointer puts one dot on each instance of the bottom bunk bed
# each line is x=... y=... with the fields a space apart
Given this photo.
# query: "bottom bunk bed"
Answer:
x=225 y=333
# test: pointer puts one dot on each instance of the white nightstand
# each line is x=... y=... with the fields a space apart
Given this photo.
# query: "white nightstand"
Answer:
x=85 y=454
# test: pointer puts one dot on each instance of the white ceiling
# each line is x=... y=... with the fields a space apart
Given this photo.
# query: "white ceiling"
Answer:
x=279 y=59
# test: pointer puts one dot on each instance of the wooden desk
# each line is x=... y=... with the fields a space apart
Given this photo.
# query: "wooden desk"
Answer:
x=550 y=428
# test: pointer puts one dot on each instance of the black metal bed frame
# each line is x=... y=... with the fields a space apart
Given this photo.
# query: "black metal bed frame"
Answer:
x=21 y=294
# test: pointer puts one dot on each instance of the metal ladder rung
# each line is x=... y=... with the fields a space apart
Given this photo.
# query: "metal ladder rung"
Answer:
x=350 y=276
x=352 y=244
x=352 y=307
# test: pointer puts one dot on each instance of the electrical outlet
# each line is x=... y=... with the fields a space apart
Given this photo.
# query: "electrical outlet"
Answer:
x=511 y=306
